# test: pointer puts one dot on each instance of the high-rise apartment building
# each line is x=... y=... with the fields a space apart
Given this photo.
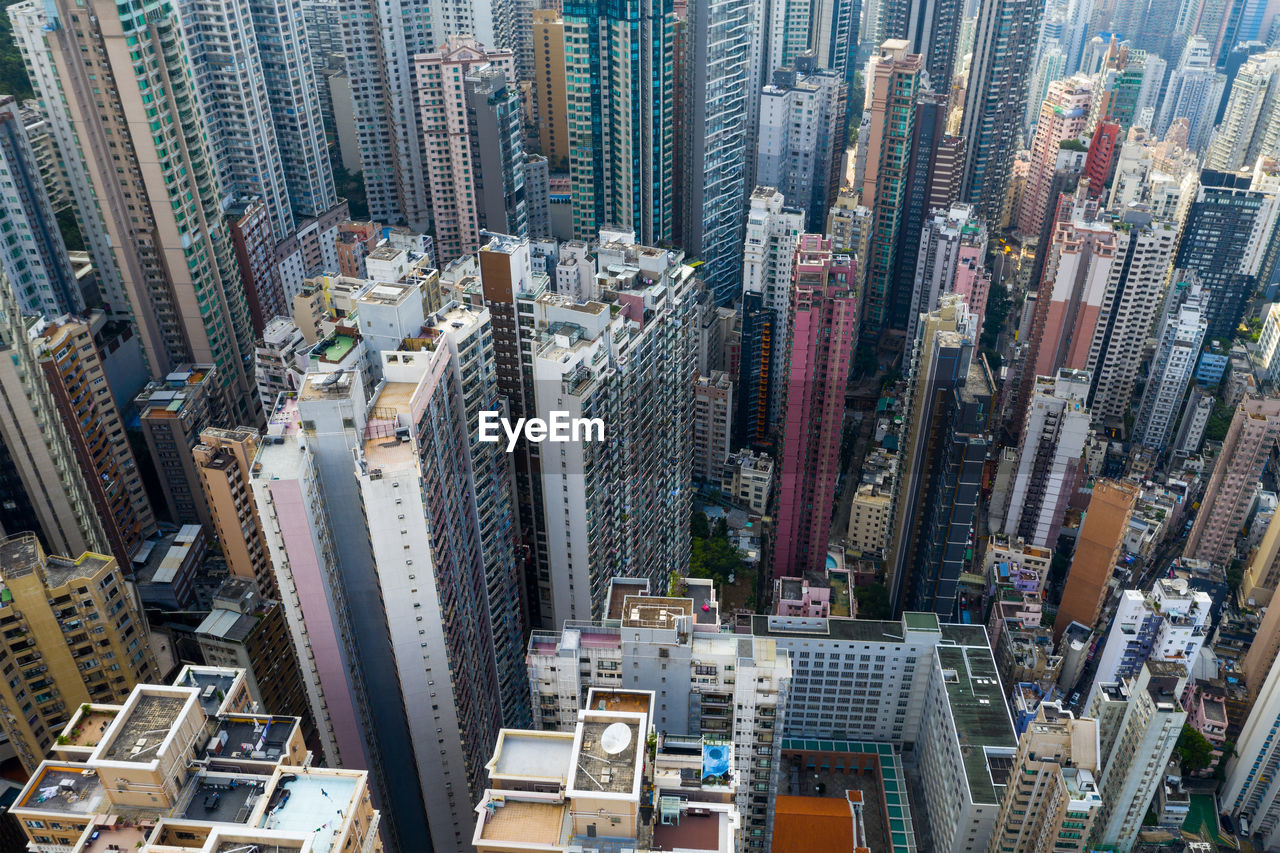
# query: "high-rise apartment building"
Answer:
x=1063 y=116
x=617 y=506
x=1225 y=239
x=995 y=100
x=35 y=259
x=1170 y=624
x=254 y=75
x=1098 y=548
x=173 y=412
x=1136 y=286
x=706 y=677
x=800 y=148
x=191 y=763
x=1249 y=126
x=550 y=87
x=158 y=204
x=714 y=132
x=1139 y=722
x=76 y=383
x=768 y=258
x=712 y=424
x=1194 y=90
x=1249 y=792
x=1228 y=497
x=1050 y=450
x=950 y=258
x=823 y=337
x=471 y=133
x=299 y=535
x=947 y=439
x=1179 y=337
x=1052 y=799
x=894 y=79
x=43 y=487
x=621 y=82
x=77 y=634
x=224 y=461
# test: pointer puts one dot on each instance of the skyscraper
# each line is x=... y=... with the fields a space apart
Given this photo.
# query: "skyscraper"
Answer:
x=1098 y=548
x=1225 y=237
x=1252 y=118
x=621 y=116
x=716 y=88
x=1229 y=495
x=1052 y=799
x=950 y=258
x=1193 y=93
x=995 y=100
x=943 y=454
x=800 y=149
x=157 y=204
x=36 y=263
x=1179 y=337
x=824 y=334
x=1249 y=791
x=254 y=77
x=55 y=602
x=1063 y=117
x=768 y=258
x=224 y=460
x=1049 y=457
x=894 y=79
x=463 y=88
x=550 y=87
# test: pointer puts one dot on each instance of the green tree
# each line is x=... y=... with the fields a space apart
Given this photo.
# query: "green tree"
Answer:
x=1193 y=749
x=13 y=73
x=1219 y=421
x=351 y=187
x=873 y=601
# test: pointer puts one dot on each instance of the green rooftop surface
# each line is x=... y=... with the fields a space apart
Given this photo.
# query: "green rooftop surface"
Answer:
x=981 y=717
x=922 y=621
x=1202 y=820
x=338 y=347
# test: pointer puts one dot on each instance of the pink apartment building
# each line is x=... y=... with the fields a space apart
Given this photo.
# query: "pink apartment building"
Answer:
x=1229 y=495
x=824 y=334
x=1063 y=116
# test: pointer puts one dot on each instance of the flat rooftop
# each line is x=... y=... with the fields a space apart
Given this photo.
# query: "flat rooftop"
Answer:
x=223 y=799
x=64 y=788
x=612 y=770
x=872 y=630
x=308 y=802
x=382 y=449
x=203 y=679
x=538 y=756
x=622 y=588
x=145 y=727
x=525 y=822
x=696 y=831
x=58 y=571
x=643 y=611
x=114 y=838
x=981 y=717
x=252 y=738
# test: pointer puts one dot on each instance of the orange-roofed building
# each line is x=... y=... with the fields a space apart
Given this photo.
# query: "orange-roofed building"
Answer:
x=806 y=824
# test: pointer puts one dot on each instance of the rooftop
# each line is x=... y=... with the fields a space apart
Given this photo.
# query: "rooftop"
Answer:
x=383 y=447
x=144 y=728
x=608 y=766
x=699 y=829
x=222 y=799
x=256 y=738
x=981 y=717
x=113 y=838
x=203 y=678
x=311 y=802
x=72 y=788
x=868 y=630
x=523 y=821
x=532 y=755
x=654 y=612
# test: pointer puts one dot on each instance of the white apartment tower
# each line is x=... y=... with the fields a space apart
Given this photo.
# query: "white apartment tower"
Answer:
x=1049 y=457
x=626 y=356
x=768 y=257
x=706 y=683
x=1139 y=722
x=1193 y=93
x=255 y=80
x=1250 y=792
x=1250 y=126
x=1168 y=624
x=1178 y=341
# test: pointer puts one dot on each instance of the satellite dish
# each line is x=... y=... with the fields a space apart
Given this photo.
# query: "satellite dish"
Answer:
x=616 y=738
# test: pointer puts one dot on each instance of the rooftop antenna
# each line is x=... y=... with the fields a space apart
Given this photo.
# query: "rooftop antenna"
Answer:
x=615 y=738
